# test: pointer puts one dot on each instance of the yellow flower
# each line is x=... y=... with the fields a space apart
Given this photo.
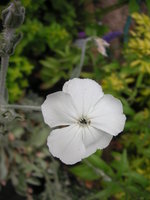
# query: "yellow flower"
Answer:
x=114 y=82
x=139 y=43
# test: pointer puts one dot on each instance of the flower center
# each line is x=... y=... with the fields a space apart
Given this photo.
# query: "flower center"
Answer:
x=84 y=121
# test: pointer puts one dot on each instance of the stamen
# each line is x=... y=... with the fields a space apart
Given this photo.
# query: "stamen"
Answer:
x=84 y=121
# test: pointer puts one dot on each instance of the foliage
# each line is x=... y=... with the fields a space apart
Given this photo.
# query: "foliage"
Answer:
x=47 y=48
x=52 y=33
x=125 y=176
x=19 y=69
x=122 y=170
x=12 y=19
x=55 y=36
x=118 y=179
x=55 y=69
x=25 y=159
x=138 y=51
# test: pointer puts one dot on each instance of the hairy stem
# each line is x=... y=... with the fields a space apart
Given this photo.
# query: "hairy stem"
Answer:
x=77 y=71
x=3 y=73
x=22 y=107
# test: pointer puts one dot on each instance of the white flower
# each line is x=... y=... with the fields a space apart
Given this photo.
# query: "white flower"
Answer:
x=87 y=120
x=101 y=46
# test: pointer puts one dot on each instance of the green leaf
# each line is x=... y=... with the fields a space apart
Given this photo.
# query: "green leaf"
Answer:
x=133 y=6
x=22 y=185
x=33 y=181
x=137 y=178
x=38 y=137
x=148 y=5
x=97 y=162
x=18 y=132
x=85 y=172
x=121 y=163
x=14 y=179
x=127 y=108
x=111 y=188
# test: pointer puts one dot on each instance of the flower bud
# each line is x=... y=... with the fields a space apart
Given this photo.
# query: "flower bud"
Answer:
x=13 y=43
x=13 y=16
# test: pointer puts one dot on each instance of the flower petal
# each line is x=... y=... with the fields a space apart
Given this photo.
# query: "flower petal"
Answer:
x=85 y=93
x=94 y=139
x=58 y=109
x=108 y=115
x=66 y=144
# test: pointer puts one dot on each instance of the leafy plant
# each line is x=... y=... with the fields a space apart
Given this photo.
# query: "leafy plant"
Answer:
x=60 y=67
x=125 y=175
x=25 y=159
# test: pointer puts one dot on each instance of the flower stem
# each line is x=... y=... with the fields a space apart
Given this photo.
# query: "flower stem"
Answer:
x=3 y=73
x=77 y=71
x=22 y=107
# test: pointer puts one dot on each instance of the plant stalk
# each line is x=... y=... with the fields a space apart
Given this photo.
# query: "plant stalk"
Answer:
x=77 y=71
x=21 y=107
x=3 y=73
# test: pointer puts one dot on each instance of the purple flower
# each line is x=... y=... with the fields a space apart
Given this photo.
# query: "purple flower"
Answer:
x=112 y=35
x=81 y=34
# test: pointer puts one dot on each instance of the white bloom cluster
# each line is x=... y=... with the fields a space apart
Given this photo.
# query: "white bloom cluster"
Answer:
x=85 y=119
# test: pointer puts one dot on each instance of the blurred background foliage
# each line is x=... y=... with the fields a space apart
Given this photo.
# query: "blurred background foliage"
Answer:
x=42 y=62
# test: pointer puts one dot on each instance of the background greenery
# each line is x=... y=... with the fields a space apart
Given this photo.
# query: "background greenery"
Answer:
x=42 y=62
